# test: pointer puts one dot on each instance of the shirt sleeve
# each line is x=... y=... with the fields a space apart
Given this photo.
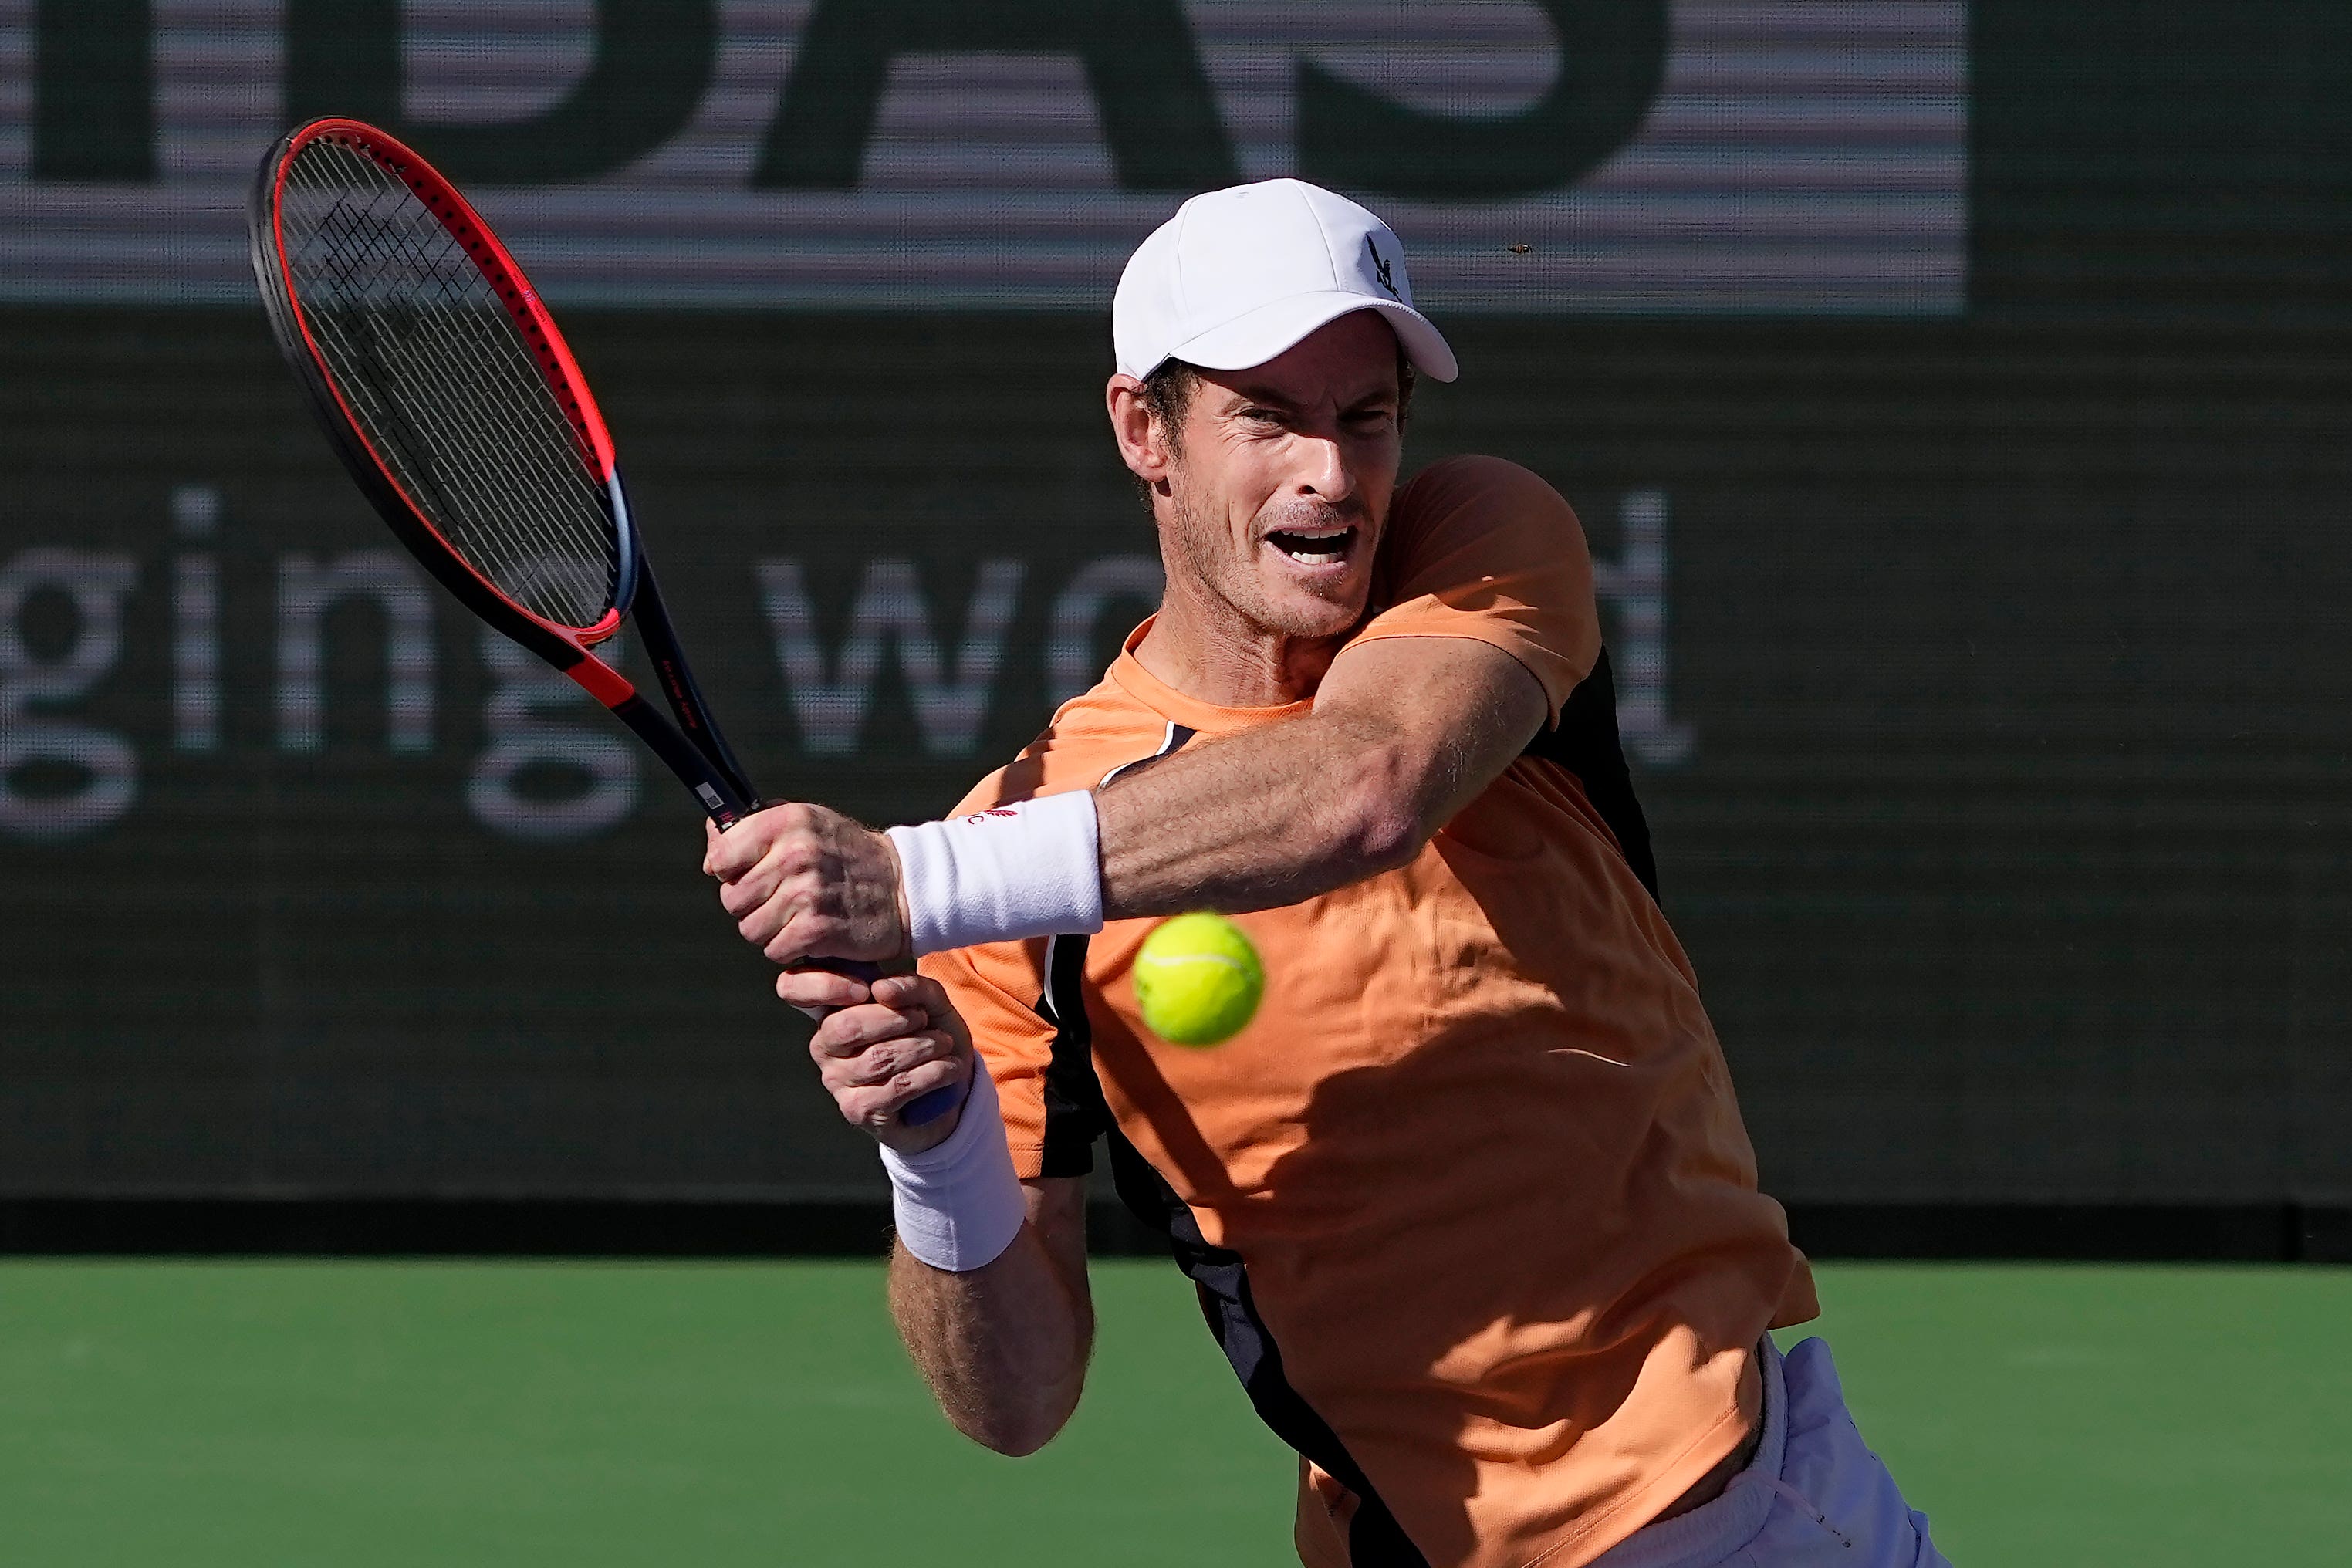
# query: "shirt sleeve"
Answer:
x=1481 y=548
x=995 y=989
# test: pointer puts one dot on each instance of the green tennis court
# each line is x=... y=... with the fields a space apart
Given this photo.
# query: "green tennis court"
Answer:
x=364 y=1413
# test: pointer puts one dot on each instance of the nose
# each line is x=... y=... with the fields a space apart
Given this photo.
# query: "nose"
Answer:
x=1323 y=469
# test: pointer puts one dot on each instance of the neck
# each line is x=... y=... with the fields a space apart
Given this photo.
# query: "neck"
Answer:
x=1206 y=649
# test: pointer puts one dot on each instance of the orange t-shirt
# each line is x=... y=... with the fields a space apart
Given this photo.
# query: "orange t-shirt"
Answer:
x=1468 y=1204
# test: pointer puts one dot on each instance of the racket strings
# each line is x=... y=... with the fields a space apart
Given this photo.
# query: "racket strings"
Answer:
x=408 y=258
x=357 y=229
x=417 y=263
x=443 y=384
x=537 y=550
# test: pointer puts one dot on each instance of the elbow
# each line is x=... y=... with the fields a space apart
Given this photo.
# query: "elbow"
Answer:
x=1013 y=1442
x=1383 y=828
x=1015 y=1434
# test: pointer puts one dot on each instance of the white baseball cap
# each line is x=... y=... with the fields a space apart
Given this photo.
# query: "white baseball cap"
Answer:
x=1239 y=274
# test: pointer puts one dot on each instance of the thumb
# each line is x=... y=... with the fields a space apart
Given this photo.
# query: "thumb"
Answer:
x=710 y=846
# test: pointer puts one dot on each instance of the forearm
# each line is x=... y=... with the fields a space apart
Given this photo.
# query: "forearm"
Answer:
x=1266 y=818
x=1403 y=734
x=1004 y=1347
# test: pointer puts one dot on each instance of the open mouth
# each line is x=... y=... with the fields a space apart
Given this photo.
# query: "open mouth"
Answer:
x=1314 y=546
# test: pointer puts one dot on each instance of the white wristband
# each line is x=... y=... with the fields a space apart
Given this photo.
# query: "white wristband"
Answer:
x=1029 y=870
x=958 y=1205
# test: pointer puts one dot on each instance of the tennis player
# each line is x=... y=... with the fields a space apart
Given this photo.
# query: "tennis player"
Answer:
x=1469 y=1206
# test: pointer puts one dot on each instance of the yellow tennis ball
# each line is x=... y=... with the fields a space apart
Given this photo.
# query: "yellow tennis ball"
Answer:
x=1198 y=980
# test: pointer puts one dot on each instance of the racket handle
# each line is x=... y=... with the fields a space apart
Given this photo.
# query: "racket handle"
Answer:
x=924 y=1108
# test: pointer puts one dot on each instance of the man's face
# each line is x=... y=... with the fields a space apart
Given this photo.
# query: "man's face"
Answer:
x=1281 y=478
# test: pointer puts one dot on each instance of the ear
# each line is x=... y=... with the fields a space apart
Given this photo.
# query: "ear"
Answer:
x=1141 y=446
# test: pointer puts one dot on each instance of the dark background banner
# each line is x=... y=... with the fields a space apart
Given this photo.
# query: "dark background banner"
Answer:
x=1985 y=674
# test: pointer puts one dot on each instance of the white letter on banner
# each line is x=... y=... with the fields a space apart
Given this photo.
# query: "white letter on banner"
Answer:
x=1070 y=667
x=109 y=768
x=830 y=697
x=306 y=592
x=195 y=623
x=1636 y=583
x=524 y=687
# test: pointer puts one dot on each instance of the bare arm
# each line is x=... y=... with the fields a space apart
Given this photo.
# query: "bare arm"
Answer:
x=1405 y=733
x=1004 y=1348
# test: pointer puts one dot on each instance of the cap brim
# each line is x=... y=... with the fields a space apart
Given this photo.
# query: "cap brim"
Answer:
x=1273 y=329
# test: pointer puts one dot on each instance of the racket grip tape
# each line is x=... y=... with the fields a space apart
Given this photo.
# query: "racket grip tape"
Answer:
x=926 y=1108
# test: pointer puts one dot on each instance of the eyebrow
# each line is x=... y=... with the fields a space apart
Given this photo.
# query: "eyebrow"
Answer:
x=1268 y=396
x=1263 y=395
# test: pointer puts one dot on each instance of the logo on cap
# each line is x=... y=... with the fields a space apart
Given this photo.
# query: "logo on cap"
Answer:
x=1381 y=271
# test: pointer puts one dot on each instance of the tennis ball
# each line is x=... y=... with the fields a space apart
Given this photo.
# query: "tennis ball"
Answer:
x=1198 y=980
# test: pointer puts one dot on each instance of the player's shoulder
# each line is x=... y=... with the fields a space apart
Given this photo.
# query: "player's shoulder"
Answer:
x=1478 y=484
x=1477 y=515
x=1089 y=735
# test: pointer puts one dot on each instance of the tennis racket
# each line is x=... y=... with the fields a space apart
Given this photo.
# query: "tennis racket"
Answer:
x=448 y=393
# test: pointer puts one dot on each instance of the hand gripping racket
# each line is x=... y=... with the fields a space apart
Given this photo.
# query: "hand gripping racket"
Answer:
x=448 y=393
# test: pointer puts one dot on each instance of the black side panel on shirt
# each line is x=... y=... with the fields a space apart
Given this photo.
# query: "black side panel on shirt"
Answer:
x=1586 y=743
x=1076 y=1115
x=1375 y=1539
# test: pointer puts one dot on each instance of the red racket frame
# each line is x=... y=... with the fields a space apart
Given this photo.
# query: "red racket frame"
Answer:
x=700 y=755
x=693 y=747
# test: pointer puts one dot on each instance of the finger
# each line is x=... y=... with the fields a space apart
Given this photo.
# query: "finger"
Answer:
x=747 y=891
x=898 y=990
x=710 y=845
x=763 y=921
x=761 y=896
x=820 y=988
x=913 y=991
x=877 y=1108
x=802 y=933
x=854 y=1028
x=880 y=1063
x=747 y=843
x=737 y=850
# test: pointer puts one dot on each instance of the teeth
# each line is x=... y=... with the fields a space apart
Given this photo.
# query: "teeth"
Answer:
x=1297 y=544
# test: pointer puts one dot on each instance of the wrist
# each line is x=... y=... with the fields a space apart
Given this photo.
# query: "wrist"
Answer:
x=1032 y=868
x=899 y=894
x=958 y=1204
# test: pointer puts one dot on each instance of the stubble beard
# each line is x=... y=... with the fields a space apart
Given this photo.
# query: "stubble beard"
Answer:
x=1206 y=553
